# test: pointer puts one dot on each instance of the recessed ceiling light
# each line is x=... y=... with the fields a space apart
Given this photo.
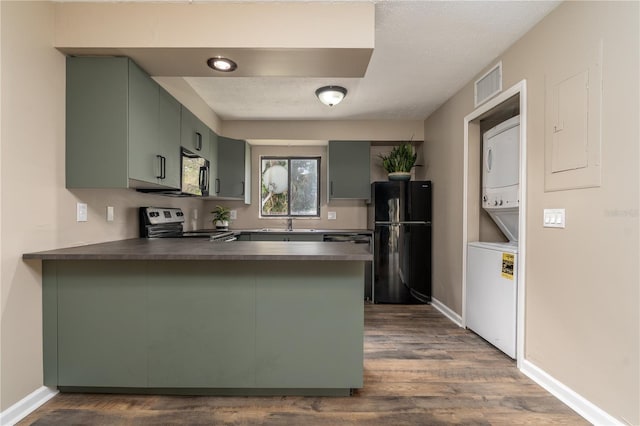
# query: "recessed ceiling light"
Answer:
x=222 y=64
x=331 y=95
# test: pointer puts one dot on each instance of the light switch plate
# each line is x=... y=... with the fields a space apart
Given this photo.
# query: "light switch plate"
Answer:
x=233 y=214
x=554 y=218
x=110 y=214
x=331 y=215
x=81 y=212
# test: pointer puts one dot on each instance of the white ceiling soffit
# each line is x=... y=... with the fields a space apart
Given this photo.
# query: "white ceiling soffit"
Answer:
x=424 y=52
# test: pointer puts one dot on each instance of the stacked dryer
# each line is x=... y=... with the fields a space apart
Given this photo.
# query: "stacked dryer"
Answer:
x=492 y=282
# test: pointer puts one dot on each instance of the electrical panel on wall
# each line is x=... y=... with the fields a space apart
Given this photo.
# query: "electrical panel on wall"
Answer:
x=573 y=122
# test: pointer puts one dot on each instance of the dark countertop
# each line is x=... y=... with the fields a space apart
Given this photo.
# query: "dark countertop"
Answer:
x=203 y=249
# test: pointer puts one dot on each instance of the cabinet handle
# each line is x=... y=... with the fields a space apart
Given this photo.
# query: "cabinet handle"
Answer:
x=163 y=167
x=217 y=188
x=198 y=141
x=331 y=188
x=242 y=188
x=203 y=179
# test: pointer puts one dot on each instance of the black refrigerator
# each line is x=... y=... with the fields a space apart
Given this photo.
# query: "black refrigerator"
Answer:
x=400 y=216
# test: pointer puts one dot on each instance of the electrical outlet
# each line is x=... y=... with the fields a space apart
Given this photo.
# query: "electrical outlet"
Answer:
x=110 y=214
x=81 y=212
x=331 y=215
x=233 y=214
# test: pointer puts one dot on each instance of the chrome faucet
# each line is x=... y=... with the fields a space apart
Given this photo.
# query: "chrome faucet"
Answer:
x=290 y=224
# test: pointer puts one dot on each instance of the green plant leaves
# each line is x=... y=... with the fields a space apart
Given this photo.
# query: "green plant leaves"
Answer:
x=400 y=159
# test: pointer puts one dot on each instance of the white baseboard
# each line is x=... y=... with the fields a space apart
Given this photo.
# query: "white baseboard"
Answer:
x=576 y=402
x=446 y=311
x=26 y=405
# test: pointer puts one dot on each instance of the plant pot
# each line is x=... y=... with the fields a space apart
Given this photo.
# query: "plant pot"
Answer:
x=222 y=224
x=399 y=176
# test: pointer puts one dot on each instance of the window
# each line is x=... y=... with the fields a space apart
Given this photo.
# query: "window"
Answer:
x=290 y=186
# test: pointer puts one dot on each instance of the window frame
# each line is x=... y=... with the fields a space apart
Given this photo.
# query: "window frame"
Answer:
x=288 y=159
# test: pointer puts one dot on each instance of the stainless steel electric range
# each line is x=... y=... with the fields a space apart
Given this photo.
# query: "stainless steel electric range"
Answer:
x=168 y=222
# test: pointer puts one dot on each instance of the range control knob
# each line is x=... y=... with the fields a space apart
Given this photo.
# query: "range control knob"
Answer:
x=495 y=203
x=484 y=198
x=500 y=202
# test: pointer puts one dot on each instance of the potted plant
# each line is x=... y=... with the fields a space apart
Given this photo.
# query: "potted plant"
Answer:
x=399 y=162
x=221 y=216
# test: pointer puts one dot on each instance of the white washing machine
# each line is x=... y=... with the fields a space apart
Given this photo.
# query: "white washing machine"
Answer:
x=492 y=281
x=492 y=296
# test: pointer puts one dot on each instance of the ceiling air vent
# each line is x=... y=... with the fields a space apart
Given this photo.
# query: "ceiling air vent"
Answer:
x=489 y=84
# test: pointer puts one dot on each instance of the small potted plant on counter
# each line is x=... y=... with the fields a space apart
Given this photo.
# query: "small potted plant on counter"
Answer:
x=399 y=162
x=221 y=216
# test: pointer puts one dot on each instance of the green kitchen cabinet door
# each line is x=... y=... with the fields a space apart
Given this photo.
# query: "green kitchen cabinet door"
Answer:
x=144 y=100
x=97 y=122
x=102 y=324
x=114 y=132
x=201 y=332
x=154 y=132
x=349 y=170
x=213 y=164
x=194 y=134
x=233 y=169
x=169 y=139
x=286 y=236
x=310 y=325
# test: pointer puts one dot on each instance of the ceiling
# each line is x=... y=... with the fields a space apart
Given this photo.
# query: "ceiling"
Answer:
x=425 y=51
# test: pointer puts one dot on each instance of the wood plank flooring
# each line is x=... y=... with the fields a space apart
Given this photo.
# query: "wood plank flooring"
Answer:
x=420 y=369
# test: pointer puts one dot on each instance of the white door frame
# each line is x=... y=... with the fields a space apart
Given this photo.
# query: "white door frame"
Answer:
x=521 y=89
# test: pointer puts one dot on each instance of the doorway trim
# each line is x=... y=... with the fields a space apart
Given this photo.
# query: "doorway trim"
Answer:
x=471 y=136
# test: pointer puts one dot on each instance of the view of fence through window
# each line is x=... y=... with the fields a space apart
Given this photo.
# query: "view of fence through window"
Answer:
x=290 y=186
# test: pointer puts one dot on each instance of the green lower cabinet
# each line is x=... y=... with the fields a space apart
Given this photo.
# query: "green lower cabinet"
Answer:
x=310 y=325
x=237 y=326
x=285 y=236
x=201 y=331
x=102 y=328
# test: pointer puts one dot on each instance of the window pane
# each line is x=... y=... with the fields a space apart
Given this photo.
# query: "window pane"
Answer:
x=304 y=187
x=274 y=194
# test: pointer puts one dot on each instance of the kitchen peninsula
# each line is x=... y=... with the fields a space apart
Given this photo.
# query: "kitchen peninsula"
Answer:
x=190 y=316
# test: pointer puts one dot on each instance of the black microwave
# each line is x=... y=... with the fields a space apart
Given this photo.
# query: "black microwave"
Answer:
x=194 y=177
x=194 y=174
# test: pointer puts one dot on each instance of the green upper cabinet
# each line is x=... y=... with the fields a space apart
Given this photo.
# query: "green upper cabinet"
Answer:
x=349 y=170
x=122 y=129
x=234 y=170
x=213 y=163
x=169 y=137
x=194 y=134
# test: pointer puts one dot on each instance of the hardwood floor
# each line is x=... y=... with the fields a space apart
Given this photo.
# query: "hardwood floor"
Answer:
x=420 y=369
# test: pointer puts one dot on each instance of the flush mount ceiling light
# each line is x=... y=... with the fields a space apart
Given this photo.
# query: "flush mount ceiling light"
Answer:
x=222 y=64
x=331 y=95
